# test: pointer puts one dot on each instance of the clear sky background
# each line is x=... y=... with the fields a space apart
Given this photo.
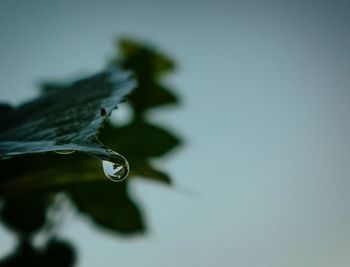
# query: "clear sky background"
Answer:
x=264 y=177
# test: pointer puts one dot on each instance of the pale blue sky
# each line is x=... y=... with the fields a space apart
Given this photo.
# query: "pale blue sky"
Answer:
x=263 y=180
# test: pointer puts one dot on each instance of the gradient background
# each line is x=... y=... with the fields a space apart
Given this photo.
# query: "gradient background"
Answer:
x=263 y=179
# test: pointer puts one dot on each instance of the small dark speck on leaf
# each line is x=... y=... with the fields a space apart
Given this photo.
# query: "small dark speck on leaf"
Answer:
x=103 y=112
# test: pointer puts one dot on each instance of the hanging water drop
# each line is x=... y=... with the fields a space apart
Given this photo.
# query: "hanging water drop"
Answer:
x=116 y=172
x=115 y=166
x=64 y=152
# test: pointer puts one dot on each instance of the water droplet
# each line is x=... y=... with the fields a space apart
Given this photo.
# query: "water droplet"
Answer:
x=116 y=171
x=64 y=152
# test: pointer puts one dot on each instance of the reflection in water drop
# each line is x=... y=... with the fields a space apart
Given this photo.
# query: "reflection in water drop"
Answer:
x=64 y=152
x=115 y=171
x=115 y=166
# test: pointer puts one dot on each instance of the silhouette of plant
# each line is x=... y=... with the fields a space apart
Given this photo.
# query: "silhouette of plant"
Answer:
x=35 y=187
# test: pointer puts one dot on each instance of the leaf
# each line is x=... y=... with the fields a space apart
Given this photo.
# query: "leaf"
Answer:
x=25 y=255
x=157 y=62
x=67 y=119
x=52 y=172
x=48 y=87
x=149 y=66
x=5 y=109
x=156 y=96
x=146 y=170
x=108 y=205
x=57 y=253
x=140 y=139
x=25 y=214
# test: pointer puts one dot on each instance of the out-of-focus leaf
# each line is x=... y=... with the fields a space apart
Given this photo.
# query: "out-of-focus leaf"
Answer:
x=56 y=254
x=149 y=65
x=140 y=139
x=151 y=95
x=66 y=119
x=146 y=170
x=49 y=172
x=156 y=61
x=25 y=214
x=108 y=205
x=24 y=256
x=157 y=96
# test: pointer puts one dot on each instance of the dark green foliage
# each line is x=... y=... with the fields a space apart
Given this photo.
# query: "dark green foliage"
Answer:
x=149 y=67
x=56 y=254
x=29 y=183
x=111 y=207
x=25 y=214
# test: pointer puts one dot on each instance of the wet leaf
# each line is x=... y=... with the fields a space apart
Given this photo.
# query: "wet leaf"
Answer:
x=67 y=119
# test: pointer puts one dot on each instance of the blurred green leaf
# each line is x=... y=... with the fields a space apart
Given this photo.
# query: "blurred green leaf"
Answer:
x=47 y=172
x=149 y=65
x=25 y=255
x=140 y=139
x=155 y=97
x=157 y=62
x=108 y=205
x=56 y=254
x=145 y=169
x=25 y=214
